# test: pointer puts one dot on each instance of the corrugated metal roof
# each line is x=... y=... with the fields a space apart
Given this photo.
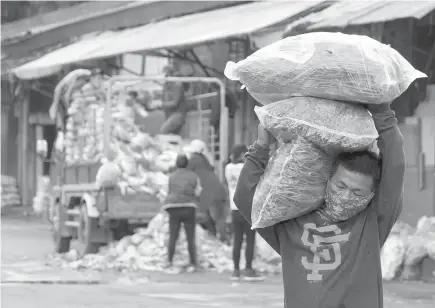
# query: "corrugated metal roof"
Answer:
x=52 y=62
x=204 y=27
x=41 y=22
x=397 y=10
x=350 y=12
x=177 y=32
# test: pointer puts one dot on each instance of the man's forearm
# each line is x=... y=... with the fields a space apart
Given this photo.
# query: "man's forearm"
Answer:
x=256 y=161
x=390 y=192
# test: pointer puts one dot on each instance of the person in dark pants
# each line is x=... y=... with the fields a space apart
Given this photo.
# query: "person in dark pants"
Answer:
x=240 y=225
x=183 y=191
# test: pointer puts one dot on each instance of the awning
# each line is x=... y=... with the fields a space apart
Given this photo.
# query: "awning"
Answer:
x=74 y=14
x=178 y=32
x=349 y=12
x=52 y=62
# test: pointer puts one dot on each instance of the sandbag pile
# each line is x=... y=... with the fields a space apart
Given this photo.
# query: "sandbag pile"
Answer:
x=9 y=191
x=405 y=249
x=42 y=198
x=147 y=250
x=312 y=88
x=137 y=161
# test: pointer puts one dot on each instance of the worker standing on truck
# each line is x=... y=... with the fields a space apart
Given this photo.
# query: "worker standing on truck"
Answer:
x=213 y=200
x=173 y=103
x=183 y=195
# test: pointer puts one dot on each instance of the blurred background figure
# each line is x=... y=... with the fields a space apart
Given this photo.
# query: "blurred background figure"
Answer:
x=240 y=226
x=183 y=196
x=174 y=103
x=213 y=200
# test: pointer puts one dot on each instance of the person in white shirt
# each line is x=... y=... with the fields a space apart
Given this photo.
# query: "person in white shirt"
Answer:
x=240 y=226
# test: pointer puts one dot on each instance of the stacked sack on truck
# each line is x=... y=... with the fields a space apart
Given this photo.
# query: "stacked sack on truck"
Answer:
x=9 y=191
x=137 y=161
x=313 y=88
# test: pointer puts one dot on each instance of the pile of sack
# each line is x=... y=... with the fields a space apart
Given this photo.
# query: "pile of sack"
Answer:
x=42 y=199
x=313 y=88
x=147 y=250
x=405 y=249
x=9 y=191
x=137 y=161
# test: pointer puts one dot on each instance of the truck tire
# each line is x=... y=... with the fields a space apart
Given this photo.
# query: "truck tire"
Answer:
x=61 y=243
x=86 y=226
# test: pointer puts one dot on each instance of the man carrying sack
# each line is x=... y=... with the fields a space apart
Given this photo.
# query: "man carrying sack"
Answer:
x=331 y=256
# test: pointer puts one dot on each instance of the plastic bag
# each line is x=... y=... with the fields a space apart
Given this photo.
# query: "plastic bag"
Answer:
x=108 y=175
x=337 y=66
x=329 y=124
x=293 y=183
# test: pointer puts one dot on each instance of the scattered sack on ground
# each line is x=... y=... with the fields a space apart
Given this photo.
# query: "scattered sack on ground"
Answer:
x=329 y=124
x=419 y=248
x=415 y=253
x=336 y=66
x=293 y=183
x=392 y=255
x=146 y=250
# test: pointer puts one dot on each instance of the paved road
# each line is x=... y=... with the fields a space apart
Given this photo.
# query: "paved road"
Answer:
x=26 y=241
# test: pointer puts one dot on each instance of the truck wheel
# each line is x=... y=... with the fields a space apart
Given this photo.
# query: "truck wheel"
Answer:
x=86 y=227
x=61 y=243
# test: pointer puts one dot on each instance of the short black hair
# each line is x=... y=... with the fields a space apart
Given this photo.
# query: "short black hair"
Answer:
x=238 y=150
x=364 y=162
x=182 y=161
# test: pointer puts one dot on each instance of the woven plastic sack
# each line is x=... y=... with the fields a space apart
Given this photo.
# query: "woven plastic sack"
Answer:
x=336 y=66
x=329 y=124
x=292 y=185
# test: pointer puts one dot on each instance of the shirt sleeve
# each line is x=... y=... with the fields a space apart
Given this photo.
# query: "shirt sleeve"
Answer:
x=256 y=161
x=390 y=192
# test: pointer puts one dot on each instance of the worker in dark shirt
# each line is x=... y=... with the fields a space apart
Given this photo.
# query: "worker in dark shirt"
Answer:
x=173 y=103
x=213 y=201
x=331 y=256
x=183 y=196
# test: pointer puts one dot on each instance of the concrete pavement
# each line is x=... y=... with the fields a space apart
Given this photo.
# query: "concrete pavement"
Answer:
x=27 y=282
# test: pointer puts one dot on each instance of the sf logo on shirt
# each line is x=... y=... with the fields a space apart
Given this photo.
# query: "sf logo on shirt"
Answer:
x=324 y=243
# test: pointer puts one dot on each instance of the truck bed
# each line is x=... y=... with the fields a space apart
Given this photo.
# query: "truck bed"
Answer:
x=114 y=205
